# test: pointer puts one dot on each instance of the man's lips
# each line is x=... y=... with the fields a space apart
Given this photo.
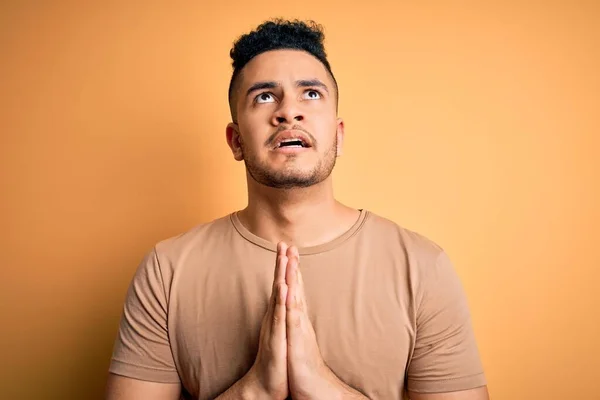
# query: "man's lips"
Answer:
x=291 y=150
x=295 y=138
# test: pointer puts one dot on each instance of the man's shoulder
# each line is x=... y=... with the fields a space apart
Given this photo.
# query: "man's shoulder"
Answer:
x=394 y=233
x=206 y=234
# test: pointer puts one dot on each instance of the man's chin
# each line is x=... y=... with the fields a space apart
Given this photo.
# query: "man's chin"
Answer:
x=287 y=181
x=290 y=182
x=290 y=178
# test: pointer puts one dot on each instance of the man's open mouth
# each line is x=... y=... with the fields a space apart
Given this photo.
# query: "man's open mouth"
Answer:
x=292 y=143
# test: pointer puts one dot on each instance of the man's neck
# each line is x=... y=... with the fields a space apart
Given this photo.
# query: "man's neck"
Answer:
x=301 y=216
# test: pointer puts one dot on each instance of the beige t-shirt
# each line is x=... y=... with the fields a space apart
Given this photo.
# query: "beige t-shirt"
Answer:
x=387 y=307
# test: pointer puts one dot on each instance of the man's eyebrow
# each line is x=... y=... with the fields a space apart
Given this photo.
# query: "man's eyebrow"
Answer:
x=262 y=85
x=273 y=85
x=312 y=82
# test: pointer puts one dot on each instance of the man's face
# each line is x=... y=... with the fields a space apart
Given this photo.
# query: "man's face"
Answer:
x=287 y=131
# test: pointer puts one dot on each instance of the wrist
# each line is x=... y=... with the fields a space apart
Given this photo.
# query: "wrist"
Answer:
x=338 y=389
x=251 y=389
x=324 y=385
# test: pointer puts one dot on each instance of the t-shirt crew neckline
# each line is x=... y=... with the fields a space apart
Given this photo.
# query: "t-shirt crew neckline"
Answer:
x=265 y=244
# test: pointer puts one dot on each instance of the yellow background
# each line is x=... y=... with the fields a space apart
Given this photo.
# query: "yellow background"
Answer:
x=476 y=125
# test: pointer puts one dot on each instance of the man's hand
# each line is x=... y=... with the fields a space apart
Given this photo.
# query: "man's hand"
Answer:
x=268 y=377
x=309 y=376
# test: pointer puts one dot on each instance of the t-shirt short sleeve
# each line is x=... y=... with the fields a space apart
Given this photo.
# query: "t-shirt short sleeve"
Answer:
x=445 y=357
x=142 y=349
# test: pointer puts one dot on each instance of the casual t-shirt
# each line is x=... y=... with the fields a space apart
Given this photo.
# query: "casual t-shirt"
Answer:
x=388 y=310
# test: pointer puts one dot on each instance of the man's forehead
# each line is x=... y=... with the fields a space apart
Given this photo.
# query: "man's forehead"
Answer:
x=282 y=66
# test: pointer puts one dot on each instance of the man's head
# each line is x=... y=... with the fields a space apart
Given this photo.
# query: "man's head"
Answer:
x=274 y=35
x=282 y=88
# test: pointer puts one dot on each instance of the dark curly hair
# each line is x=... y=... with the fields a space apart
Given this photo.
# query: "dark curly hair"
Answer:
x=273 y=35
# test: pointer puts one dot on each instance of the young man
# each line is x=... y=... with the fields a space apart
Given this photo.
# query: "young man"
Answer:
x=297 y=295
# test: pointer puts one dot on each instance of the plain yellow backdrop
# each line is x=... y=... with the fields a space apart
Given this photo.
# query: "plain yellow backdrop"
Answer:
x=475 y=124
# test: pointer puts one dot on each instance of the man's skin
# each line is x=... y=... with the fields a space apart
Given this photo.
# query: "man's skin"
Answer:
x=288 y=362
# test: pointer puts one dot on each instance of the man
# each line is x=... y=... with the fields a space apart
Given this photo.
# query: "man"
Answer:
x=296 y=296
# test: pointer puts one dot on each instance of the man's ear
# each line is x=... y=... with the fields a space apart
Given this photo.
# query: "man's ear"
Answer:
x=340 y=136
x=232 y=133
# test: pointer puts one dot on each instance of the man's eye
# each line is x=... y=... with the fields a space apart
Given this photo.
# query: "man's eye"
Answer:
x=265 y=98
x=312 y=95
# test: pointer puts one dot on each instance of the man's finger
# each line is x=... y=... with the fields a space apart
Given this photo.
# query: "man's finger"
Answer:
x=280 y=270
x=295 y=296
x=295 y=253
x=300 y=288
x=278 y=321
x=278 y=278
x=290 y=272
x=294 y=318
x=280 y=264
x=282 y=248
x=266 y=323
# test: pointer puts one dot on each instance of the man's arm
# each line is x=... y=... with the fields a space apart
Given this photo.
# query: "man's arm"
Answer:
x=122 y=388
x=480 y=393
x=445 y=364
x=142 y=365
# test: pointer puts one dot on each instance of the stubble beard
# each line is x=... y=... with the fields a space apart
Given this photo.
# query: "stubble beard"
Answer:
x=290 y=177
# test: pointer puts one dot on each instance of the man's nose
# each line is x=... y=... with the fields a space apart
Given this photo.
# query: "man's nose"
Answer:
x=288 y=112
